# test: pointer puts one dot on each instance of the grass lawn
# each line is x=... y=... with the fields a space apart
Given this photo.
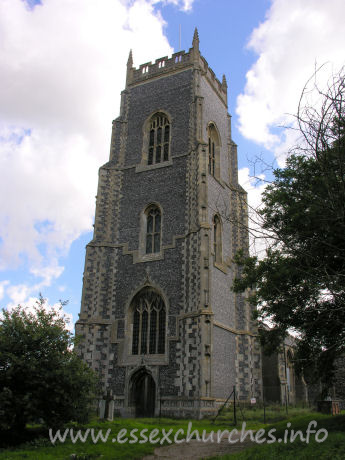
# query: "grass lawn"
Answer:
x=41 y=448
x=332 y=448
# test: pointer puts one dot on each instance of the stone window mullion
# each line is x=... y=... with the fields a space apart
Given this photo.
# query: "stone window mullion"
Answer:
x=213 y=151
x=136 y=332
x=159 y=139
x=213 y=160
x=139 y=334
x=153 y=230
x=149 y=329
x=157 y=330
x=144 y=332
x=209 y=156
x=155 y=146
x=161 y=331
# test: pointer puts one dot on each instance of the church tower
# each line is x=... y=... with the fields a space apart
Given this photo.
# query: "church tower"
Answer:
x=159 y=321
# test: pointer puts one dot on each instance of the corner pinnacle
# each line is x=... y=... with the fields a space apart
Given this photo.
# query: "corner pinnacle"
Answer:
x=130 y=59
x=195 y=43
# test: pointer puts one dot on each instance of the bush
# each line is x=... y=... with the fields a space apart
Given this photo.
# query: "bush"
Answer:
x=41 y=377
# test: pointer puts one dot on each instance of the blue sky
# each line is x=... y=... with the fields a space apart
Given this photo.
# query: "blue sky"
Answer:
x=62 y=68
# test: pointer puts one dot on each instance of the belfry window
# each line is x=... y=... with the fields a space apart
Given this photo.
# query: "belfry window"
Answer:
x=159 y=139
x=211 y=157
x=213 y=151
x=217 y=239
x=153 y=230
x=149 y=316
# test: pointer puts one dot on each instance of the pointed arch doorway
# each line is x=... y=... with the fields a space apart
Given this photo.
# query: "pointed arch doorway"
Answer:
x=143 y=393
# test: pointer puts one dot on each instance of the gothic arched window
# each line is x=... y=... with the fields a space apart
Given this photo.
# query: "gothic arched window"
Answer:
x=217 y=239
x=159 y=139
x=149 y=315
x=153 y=230
x=213 y=150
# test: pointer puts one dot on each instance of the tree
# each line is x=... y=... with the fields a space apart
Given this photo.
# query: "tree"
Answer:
x=41 y=377
x=300 y=283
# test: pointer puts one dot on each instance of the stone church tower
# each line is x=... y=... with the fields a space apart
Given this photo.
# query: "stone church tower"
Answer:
x=159 y=321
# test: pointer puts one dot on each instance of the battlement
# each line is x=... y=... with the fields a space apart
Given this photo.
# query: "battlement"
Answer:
x=177 y=62
x=221 y=87
x=161 y=66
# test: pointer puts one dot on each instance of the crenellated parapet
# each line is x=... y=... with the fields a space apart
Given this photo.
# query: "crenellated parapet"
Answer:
x=176 y=63
x=161 y=66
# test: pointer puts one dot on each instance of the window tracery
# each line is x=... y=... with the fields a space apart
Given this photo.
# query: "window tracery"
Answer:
x=159 y=139
x=149 y=318
x=213 y=151
x=153 y=230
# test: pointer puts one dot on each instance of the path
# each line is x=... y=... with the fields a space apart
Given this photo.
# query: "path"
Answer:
x=195 y=450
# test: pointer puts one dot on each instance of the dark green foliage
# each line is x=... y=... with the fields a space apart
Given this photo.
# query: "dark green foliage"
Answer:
x=300 y=284
x=41 y=377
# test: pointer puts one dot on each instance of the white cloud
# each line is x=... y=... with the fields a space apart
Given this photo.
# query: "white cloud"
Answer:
x=3 y=285
x=21 y=293
x=296 y=36
x=18 y=294
x=48 y=274
x=62 y=67
x=184 y=5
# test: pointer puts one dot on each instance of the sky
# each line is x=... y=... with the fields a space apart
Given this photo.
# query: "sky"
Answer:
x=62 y=68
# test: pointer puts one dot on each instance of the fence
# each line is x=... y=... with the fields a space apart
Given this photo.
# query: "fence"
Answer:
x=276 y=403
